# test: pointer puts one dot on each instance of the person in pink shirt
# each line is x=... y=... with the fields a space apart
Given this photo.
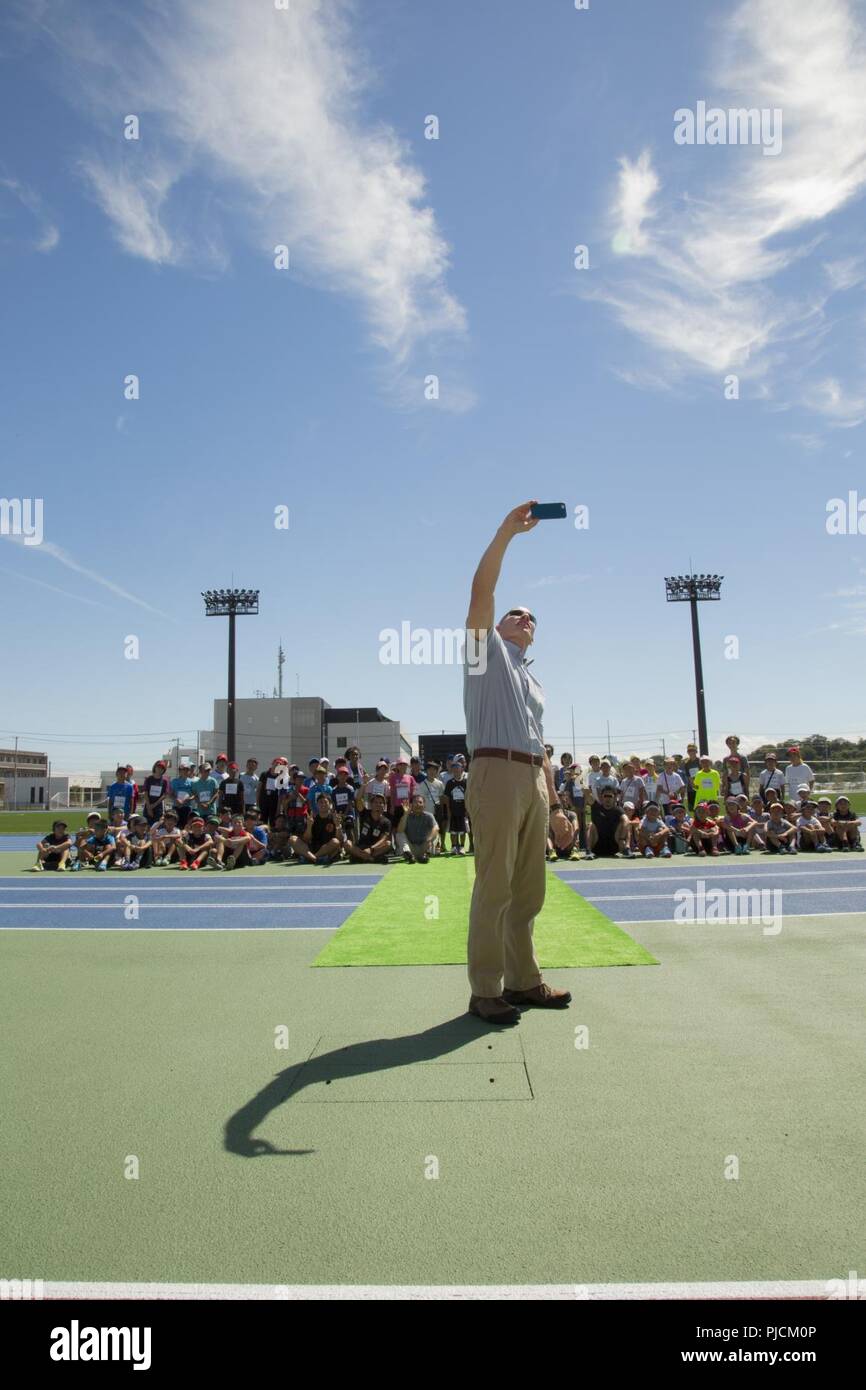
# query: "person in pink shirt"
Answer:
x=401 y=789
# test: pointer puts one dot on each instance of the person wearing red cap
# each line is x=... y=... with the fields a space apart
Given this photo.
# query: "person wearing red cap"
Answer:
x=220 y=767
x=156 y=789
x=271 y=788
x=230 y=796
x=797 y=774
x=195 y=844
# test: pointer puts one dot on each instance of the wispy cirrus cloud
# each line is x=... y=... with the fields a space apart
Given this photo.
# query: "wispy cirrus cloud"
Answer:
x=264 y=106
x=42 y=234
x=69 y=562
x=699 y=273
x=548 y=579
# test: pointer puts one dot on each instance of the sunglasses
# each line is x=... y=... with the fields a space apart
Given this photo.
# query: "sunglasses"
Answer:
x=521 y=613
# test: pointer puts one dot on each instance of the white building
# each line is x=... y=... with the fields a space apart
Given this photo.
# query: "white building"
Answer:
x=303 y=727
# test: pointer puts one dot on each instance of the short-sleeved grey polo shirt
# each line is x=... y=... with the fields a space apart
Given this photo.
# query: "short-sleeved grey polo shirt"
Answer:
x=502 y=700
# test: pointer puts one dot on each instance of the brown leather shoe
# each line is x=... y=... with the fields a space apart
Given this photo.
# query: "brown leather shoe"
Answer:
x=541 y=997
x=493 y=1010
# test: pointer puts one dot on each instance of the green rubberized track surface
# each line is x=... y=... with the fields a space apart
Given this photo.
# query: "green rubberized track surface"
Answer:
x=161 y=1045
x=419 y=915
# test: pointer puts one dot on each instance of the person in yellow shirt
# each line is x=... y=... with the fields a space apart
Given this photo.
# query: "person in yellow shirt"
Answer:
x=706 y=781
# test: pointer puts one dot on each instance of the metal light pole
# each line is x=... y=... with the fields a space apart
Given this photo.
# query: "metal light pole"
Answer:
x=694 y=589
x=231 y=603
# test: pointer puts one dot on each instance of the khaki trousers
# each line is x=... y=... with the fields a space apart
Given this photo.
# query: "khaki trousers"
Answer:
x=508 y=806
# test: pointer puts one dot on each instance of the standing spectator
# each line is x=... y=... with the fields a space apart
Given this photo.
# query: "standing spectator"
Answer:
x=735 y=776
x=181 y=792
x=220 y=768
x=691 y=766
x=593 y=776
x=295 y=806
x=231 y=795
x=321 y=785
x=378 y=784
x=156 y=789
x=311 y=772
x=204 y=794
x=343 y=796
x=706 y=782
x=455 y=799
x=250 y=783
x=573 y=797
x=650 y=777
x=670 y=786
x=356 y=768
x=433 y=790
x=633 y=788
x=121 y=794
x=130 y=772
x=605 y=778
x=771 y=778
x=797 y=773
x=565 y=762
x=271 y=787
x=733 y=745
x=401 y=789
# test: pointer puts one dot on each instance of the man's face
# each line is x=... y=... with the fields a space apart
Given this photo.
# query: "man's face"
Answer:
x=607 y=799
x=771 y=762
x=251 y=765
x=376 y=805
x=518 y=626
x=417 y=804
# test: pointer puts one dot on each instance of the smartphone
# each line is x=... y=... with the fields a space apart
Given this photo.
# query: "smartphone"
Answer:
x=549 y=511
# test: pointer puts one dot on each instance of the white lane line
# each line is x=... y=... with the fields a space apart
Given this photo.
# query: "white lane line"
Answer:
x=670 y=922
x=666 y=876
x=644 y=897
x=745 y=1289
x=188 y=907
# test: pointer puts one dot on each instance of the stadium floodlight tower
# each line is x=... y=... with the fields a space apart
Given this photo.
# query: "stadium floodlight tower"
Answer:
x=231 y=603
x=695 y=589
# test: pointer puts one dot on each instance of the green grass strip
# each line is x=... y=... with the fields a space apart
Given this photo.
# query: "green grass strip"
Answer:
x=418 y=914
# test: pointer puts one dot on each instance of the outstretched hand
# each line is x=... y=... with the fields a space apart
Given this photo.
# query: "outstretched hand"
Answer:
x=520 y=520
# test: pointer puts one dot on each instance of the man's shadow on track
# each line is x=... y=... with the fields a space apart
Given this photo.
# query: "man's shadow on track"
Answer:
x=356 y=1059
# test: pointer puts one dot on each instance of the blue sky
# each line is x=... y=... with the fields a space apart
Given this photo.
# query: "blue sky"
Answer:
x=411 y=257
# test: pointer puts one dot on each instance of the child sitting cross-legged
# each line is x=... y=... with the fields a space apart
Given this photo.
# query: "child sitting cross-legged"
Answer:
x=653 y=835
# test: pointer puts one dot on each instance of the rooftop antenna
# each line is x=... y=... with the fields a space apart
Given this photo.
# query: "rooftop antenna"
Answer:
x=281 y=661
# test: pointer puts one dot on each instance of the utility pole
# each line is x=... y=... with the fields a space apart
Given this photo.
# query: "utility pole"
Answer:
x=281 y=661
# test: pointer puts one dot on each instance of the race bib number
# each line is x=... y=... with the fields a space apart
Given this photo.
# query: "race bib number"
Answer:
x=231 y=788
x=182 y=797
x=271 y=784
x=119 y=802
x=156 y=791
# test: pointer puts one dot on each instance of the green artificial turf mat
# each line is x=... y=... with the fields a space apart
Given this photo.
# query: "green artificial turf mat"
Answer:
x=418 y=914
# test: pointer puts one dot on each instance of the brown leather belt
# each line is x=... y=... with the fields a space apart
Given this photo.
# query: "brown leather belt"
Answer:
x=535 y=759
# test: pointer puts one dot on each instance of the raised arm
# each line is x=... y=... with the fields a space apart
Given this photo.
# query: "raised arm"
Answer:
x=479 y=619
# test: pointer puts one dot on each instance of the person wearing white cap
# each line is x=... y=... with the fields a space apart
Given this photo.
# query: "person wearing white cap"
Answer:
x=511 y=796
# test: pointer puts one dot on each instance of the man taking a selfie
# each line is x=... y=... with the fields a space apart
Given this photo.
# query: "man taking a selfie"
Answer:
x=511 y=797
